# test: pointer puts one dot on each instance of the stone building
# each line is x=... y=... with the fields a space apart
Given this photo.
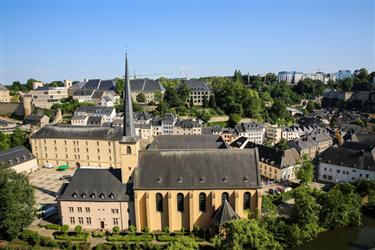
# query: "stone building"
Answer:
x=148 y=88
x=20 y=159
x=4 y=94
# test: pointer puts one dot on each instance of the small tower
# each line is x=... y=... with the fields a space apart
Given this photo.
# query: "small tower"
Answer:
x=129 y=143
x=27 y=105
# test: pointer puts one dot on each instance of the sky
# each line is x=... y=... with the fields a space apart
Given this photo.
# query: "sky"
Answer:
x=77 y=39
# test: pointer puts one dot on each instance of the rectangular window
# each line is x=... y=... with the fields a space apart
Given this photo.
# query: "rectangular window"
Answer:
x=71 y=209
x=80 y=220
x=88 y=220
x=72 y=220
x=115 y=221
x=87 y=210
x=79 y=209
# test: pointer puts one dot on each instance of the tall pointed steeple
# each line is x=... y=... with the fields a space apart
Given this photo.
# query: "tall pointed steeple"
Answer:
x=128 y=125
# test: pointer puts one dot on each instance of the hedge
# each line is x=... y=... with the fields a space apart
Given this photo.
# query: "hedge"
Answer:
x=131 y=238
x=51 y=226
x=170 y=238
x=71 y=236
x=97 y=234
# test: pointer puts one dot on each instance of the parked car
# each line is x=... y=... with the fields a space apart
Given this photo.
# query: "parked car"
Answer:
x=48 y=165
x=288 y=189
x=48 y=212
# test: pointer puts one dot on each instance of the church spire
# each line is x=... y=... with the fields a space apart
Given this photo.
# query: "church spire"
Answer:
x=128 y=126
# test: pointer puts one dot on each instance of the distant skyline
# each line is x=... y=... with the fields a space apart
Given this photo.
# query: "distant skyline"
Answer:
x=76 y=39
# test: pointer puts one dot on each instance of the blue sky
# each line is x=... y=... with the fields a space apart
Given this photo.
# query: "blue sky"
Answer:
x=76 y=39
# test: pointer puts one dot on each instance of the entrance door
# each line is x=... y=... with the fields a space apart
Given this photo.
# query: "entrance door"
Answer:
x=102 y=224
x=78 y=165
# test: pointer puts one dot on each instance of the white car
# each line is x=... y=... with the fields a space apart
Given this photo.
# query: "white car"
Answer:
x=48 y=165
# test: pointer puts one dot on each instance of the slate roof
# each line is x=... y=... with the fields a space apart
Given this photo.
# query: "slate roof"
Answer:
x=144 y=116
x=187 y=123
x=188 y=142
x=197 y=85
x=102 y=185
x=239 y=142
x=15 y=156
x=146 y=85
x=94 y=110
x=275 y=157
x=224 y=214
x=84 y=92
x=197 y=169
x=3 y=88
x=349 y=157
x=248 y=127
x=79 y=132
x=100 y=84
x=94 y=120
x=33 y=119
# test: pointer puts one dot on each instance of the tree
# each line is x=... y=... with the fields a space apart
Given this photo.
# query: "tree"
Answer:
x=119 y=85
x=4 y=141
x=305 y=173
x=234 y=119
x=172 y=98
x=17 y=138
x=17 y=200
x=346 y=84
x=245 y=234
x=282 y=145
x=183 y=91
x=362 y=76
x=183 y=243
x=278 y=111
x=237 y=77
x=212 y=102
x=205 y=101
x=116 y=229
x=341 y=207
x=158 y=96
x=204 y=115
x=29 y=83
x=310 y=106
x=141 y=98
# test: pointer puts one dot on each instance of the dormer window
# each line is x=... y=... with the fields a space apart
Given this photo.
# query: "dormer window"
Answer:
x=101 y=196
x=92 y=196
x=83 y=195
x=202 y=179
x=179 y=179
x=111 y=196
x=159 y=179
x=74 y=195
x=225 y=179
x=246 y=179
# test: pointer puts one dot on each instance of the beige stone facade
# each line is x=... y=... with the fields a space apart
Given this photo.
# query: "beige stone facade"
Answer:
x=147 y=214
x=26 y=167
x=45 y=97
x=96 y=215
x=271 y=172
x=4 y=94
x=187 y=131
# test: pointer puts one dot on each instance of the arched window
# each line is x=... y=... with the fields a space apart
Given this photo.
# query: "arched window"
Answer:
x=128 y=150
x=224 y=196
x=202 y=202
x=180 y=202
x=246 y=200
x=159 y=202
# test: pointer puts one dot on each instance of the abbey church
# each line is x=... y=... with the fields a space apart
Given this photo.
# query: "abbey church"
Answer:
x=179 y=181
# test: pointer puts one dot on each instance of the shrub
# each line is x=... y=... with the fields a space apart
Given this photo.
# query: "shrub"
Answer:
x=166 y=229
x=48 y=242
x=116 y=229
x=50 y=226
x=131 y=238
x=31 y=237
x=132 y=229
x=78 y=229
x=64 y=228
x=71 y=236
x=166 y=238
x=97 y=234
x=146 y=230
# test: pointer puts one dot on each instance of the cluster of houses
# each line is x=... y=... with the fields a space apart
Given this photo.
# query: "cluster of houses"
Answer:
x=188 y=175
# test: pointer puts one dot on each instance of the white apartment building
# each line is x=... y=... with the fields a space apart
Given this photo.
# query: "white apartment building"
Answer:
x=255 y=132
x=45 y=97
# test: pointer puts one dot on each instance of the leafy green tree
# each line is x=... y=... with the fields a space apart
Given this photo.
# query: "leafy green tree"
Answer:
x=168 y=82
x=282 y=145
x=141 y=98
x=346 y=84
x=234 y=119
x=310 y=106
x=245 y=234
x=237 y=77
x=278 y=110
x=172 y=98
x=17 y=200
x=158 y=96
x=305 y=173
x=119 y=86
x=183 y=243
x=204 y=115
x=341 y=207
x=4 y=141
x=212 y=102
x=17 y=138
x=362 y=76
x=29 y=83
x=205 y=101
x=183 y=91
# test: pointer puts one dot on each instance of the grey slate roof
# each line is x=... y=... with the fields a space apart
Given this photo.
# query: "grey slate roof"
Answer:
x=224 y=214
x=349 y=157
x=15 y=156
x=275 y=157
x=146 y=85
x=197 y=169
x=94 y=120
x=84 y=92
x=102 y=185
x=94 y=110
x=188 y=123
x=33 y=119
x=79 y=132
x=248 y=127
x=197 y=85
x=100 y=84
x=188 y=142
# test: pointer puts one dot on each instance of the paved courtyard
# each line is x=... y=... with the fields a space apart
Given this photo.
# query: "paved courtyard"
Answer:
x=46 y=184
